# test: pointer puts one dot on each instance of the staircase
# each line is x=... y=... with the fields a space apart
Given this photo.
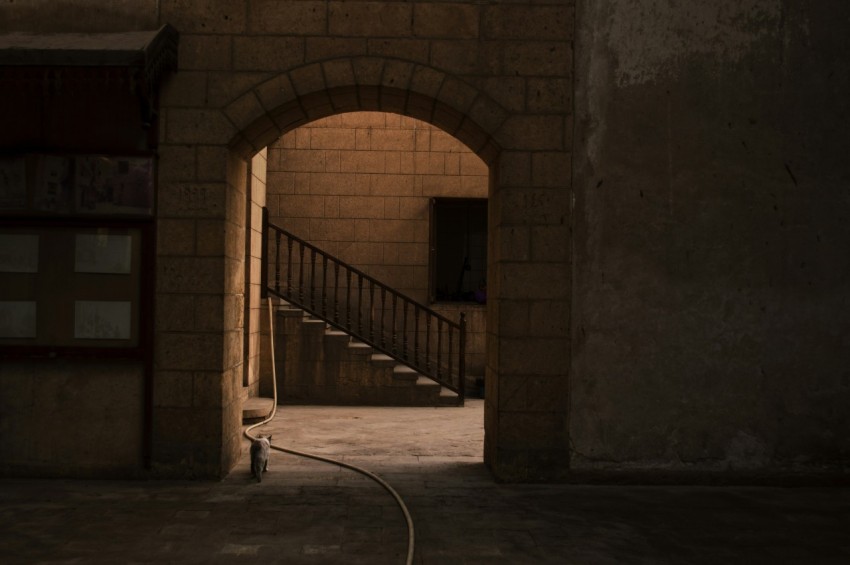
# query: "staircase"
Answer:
x=343 y=337
x=318 y=364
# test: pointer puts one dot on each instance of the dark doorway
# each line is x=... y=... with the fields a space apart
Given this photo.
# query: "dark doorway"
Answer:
x=458 y=261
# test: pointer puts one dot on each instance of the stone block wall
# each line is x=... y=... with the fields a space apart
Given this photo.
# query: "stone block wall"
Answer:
x=496 y=76
x=236 y=265
x=256 y=310
x=358 y=186
x=668 y=298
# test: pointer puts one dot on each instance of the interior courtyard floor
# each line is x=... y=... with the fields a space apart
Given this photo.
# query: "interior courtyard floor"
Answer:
x=306 y=511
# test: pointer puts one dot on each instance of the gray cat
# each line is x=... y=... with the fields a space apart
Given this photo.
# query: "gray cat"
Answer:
x=260 y=456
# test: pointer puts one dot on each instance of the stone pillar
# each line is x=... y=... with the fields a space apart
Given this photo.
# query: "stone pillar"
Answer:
x=256 y=322
x=528 y=346
x=529 y=283
x=199 y=310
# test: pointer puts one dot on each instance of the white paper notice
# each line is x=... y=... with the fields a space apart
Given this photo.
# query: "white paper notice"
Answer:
x=95 y=319
x=18 y=253
x=17 y=319
x=101 y=253
x=13 y=183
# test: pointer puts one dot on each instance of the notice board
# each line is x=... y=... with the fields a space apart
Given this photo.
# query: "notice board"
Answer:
x=77 y=285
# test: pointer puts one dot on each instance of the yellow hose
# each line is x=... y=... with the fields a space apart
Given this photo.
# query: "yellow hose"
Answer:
x=371 y=475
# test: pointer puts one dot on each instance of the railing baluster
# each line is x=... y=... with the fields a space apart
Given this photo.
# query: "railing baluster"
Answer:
x=288 y=267
x=372 y=311
x=360 y=304
x=348 y=299
x=324 y=286
x=276 y=263
x=336 y=291
x=439 y=345
x=383 y=310
x=313 y=279
x=395 y=331
x=416 y=334
x=404 y=330
x=301 y=274
x=461 y=362
x=449 y=376
x=428 y=343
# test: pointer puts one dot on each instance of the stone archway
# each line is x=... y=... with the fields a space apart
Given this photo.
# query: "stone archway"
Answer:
x=497 y=75
x=315 y=91
x=526 y=385
x=288 y=101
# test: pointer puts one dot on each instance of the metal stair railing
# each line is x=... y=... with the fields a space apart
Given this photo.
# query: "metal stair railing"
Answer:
x=352 y=301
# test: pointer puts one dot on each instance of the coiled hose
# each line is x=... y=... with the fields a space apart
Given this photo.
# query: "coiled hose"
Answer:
x=371 y=475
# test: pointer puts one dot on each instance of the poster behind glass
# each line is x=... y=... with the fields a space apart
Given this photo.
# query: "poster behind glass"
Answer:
x=114 y=185
x=13 y=183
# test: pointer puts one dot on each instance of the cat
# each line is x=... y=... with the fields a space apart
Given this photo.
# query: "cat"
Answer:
x=260 y=456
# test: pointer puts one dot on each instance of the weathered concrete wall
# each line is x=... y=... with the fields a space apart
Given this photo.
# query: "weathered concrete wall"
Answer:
x=54 y=415
x=710 y=328
x=79 y=16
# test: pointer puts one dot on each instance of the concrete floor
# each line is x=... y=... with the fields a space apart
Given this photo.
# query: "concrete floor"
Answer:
x=310 y=512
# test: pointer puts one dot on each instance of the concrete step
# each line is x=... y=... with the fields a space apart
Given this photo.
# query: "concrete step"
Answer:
x=313 y=324
x=423 y=381
x=289 y=311
x=324 y=355
x=403 y=373
x=286 y=308
x=381 y=360
x=448 y=397
x=337 y=334
x=257 y=408
x=360 y=348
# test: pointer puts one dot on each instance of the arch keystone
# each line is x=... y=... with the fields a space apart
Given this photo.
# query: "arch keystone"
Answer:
x=345 y=98
x=397 y=74
x=420 y=106
x=368 y=70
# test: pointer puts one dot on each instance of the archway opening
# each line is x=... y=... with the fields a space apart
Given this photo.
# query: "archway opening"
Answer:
x=384 y=193
x=378 y=190
x=283 y=104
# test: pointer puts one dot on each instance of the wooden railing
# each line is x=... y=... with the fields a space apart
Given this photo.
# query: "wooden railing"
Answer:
x=350 y=300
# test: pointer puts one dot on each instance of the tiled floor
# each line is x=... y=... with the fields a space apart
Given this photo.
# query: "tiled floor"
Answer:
x=310 y=512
